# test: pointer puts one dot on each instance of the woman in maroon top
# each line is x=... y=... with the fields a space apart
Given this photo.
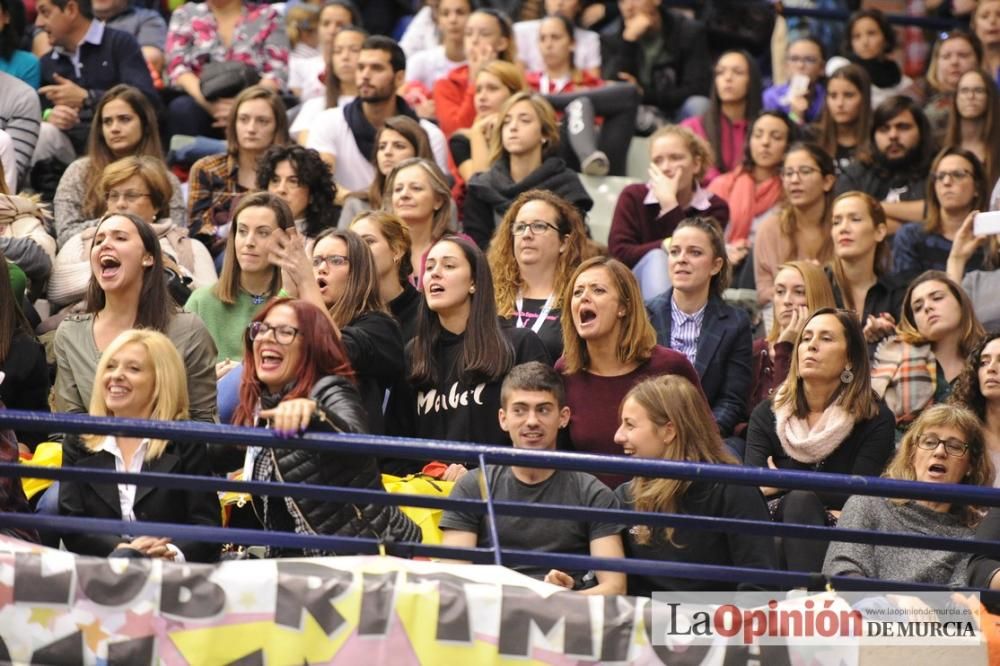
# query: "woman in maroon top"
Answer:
x=609 y=346
x=647 y=213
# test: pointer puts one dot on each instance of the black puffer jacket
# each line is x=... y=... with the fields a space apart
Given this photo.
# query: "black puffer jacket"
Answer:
x=340 y=410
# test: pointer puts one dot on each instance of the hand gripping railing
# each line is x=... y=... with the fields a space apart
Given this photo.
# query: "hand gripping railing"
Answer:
x=481 y=455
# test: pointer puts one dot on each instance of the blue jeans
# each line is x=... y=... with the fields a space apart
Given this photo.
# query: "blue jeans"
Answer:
x=652 y=274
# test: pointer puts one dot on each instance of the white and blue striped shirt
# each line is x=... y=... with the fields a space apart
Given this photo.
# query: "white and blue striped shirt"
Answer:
x=685 y=330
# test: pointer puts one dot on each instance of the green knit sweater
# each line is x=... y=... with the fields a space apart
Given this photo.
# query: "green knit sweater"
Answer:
x=227 y=324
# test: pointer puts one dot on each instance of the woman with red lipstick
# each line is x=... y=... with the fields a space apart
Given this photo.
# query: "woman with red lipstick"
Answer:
x=978 y=389
x=974 y=120
x=824 y=417
x=847 y=115
x=944 y=446
x=460 y=354
x=801 y=230
x=128 y=290
x=859 y=271
x=248 y=279
x=609 y=345
x=956 y=188
x=937 y=330
x=298 y=379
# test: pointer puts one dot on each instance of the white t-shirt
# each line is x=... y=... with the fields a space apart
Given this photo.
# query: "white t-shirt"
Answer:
x=586 y=54
x=311 y=109
x=429 y=66
x=330 y=133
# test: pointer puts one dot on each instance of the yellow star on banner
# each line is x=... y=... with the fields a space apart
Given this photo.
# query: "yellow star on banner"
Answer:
x=43 y=616
x=93 y=634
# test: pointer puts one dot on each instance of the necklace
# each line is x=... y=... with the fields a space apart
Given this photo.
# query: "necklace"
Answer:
x=256 y=299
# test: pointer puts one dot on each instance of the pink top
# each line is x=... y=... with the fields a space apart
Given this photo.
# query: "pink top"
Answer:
x=732 y=135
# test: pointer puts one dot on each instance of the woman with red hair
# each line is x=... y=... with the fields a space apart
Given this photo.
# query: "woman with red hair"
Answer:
x=298 y=378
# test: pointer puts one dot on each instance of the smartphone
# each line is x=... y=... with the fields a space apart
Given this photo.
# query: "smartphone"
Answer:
x=799 y=85
x=986 y=224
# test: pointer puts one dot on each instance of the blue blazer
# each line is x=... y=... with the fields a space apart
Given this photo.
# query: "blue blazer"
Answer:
x=724 y=359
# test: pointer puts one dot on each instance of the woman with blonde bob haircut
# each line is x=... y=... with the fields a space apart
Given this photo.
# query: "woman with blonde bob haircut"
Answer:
x=824 y=417
x=666 y=418
x=141 y=376
x=944 y=445
x=609 y=346
x=532 y=255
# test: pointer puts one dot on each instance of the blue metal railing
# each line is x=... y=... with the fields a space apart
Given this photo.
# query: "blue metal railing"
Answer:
x=482 y=455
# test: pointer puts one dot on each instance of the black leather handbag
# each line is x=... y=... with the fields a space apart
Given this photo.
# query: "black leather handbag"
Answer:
x=221 y=80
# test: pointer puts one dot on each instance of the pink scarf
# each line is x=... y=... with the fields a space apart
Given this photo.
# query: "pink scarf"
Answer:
x=746 y=199
x=812 y=445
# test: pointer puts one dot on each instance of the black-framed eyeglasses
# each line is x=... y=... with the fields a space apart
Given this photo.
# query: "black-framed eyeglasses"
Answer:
x=537 y=227
x=954 y=174
x=332 y=260
x=952 y=446
x=283 y=333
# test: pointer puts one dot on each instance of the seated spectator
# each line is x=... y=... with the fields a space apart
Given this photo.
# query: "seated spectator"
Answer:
x=400 y=138
x=981 y=285
x=691 y=317
x=248 y=279
x=20 y=118
x=845 y=124
x=646 y=214
x=388 y=237
x=938 y=328
x=599 y=116
x=345 y=136
x=12 y=499
x=974 y=121
x=893 y=165
x=25 y=383
x=339 y=274
x=523 y=154
x=459 y=349
x=488 y=36
x=586 y=55
x=983 y=24
x=24 y=240
x=824 y=417
x=417 y=192
x=734 y=102
x=128 y=290
x=339 y=80
x=665 y=54
x=953 y=54
x=801 y=228
x=336 y=16
x=944 y=445
x=140 y=186
x=203 y=34
x=665 y=418
x=983 y=569
x=533 y=410
x=870 y=42
x=609 y=345
x=859 y=271
x=302 y=180
x=426 y=67
x=140 y=375
x=125 y=126
x=146 y=25
x=86 y=60
x=536 y=248
x=217 y=182
x=754 y=188
x=298 y=379
x=956 y=188
x=18 y=63
x=305 y=59
x=800 y=288
x=470 y=147
x=805 y=60
x=978 y=390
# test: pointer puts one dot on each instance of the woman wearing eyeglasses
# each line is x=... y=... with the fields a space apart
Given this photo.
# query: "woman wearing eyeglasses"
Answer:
x=804 y=104
x=248 y=278
x=536 y=248
x=299 y=380
x=956 y=188
x=974 y=120
x=945 y=446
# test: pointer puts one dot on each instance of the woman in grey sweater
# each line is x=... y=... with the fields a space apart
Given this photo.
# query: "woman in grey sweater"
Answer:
x=944 y=445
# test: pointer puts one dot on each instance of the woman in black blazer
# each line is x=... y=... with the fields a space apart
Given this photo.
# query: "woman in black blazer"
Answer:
x=140 y=375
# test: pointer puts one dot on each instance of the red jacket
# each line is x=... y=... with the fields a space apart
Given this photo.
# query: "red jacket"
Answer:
x=454 y=97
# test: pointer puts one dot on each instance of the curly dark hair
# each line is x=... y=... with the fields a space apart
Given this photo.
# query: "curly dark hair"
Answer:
x=967 y=392
x=313 y=173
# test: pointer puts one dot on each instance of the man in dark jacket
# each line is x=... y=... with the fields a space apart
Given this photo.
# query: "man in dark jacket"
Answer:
x=664 y=53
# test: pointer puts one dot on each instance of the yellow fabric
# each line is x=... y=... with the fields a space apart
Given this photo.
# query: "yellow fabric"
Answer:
x=47 y=454
x=418 y=484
